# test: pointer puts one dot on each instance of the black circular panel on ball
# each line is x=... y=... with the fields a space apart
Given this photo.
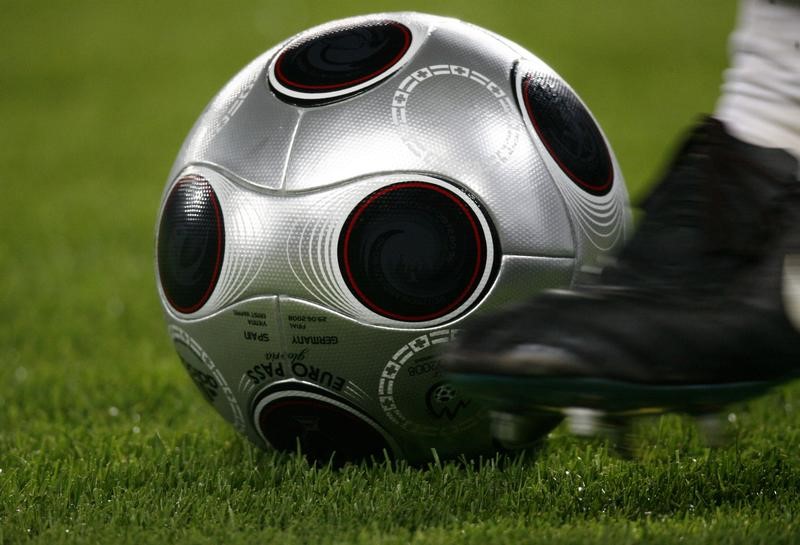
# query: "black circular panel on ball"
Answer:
x=322 y=430
x=342 y=58
x=568 y=131
x=191 y=244
x=412 y=251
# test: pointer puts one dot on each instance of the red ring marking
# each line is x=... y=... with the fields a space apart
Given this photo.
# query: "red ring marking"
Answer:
x=574 y=177
x=217 y=261
x=430 y=316
x=283 y=80
x=263 y=417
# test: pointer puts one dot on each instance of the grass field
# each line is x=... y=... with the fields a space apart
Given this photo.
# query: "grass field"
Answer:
x=103 y=439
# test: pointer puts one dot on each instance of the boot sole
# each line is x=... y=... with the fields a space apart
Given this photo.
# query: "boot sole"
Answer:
x=519 y=393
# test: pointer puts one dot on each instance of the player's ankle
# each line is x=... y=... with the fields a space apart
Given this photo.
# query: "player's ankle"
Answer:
x=760 y=101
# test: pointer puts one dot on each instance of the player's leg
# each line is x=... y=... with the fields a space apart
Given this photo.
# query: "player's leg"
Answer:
x=693 y=315
x=760 y=101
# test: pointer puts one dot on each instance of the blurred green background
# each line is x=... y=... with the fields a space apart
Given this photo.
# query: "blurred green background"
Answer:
x=102 y=436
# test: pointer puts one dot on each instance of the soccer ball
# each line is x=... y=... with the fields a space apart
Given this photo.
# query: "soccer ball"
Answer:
x=347 y=201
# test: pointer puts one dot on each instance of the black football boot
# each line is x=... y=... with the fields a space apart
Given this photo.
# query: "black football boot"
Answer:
x=695 y=314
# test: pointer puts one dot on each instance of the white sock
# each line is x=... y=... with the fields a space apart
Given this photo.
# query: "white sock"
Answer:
x=760 y=100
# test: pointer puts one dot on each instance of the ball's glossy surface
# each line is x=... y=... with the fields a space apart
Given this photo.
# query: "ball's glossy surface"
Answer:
x=347 y=201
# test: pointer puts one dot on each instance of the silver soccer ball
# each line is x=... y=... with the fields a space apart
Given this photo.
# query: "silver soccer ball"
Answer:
x=347 y=201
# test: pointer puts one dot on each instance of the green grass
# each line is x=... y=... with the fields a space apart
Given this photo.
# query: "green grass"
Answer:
x=103 y=439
